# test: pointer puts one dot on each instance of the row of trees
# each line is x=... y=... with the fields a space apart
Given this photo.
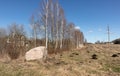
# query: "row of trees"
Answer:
x=15 y=42
x=49 y=28
x=49 y=21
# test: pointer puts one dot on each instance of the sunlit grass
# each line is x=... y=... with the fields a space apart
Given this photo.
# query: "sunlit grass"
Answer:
x=72 y=63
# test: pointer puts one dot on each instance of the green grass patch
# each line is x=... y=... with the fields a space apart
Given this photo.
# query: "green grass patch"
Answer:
x=114 y=68
x=93 y=72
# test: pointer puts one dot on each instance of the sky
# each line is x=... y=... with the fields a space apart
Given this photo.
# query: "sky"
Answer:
x=91 y=16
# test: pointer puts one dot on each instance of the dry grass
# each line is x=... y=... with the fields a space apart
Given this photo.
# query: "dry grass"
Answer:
x=70 y=63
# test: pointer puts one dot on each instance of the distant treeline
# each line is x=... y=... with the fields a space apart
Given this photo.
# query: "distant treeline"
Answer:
x=116 y=41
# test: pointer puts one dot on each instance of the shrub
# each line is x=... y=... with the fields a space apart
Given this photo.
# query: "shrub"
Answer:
x=117 y=41
x=94 y=56
x=13 y=52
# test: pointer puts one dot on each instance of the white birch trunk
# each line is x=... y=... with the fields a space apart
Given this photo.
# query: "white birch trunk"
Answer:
x=61 y=39
x=57 y=27
x=46 y=26
x=35 y=34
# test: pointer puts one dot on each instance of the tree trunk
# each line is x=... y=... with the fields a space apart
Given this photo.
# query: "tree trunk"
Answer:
x=46 y=26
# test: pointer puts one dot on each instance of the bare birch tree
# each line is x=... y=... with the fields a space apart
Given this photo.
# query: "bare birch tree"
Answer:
x=57 y=33
x=57 y=24
x=34 y=28
x=43 y=15
x=62 y=26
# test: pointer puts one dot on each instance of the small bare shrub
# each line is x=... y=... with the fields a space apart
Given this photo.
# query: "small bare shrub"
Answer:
x=13 y=52
x=114 y=55
x=94 y=56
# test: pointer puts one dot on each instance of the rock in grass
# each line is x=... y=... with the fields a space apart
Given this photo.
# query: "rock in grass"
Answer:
x=38 y=53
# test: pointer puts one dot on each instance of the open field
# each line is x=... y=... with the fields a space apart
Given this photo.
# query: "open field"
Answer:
x=77 y=62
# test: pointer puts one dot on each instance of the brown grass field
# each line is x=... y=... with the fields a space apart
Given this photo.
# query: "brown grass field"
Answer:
x=77 y=62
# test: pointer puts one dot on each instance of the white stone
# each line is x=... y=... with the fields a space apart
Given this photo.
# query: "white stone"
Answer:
x=81 y=45
x=36 y=53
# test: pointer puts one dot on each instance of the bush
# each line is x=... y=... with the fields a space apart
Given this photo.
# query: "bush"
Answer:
x=94 y=56
x=117 y=41
x=13 y=52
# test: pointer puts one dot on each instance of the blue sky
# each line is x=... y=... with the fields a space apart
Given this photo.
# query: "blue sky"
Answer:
x=92 y=16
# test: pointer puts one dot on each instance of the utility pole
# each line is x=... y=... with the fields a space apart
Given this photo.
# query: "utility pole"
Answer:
x=108 y=32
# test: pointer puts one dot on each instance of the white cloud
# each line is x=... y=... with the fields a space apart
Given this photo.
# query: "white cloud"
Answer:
x=90 y=31
x=77 y=27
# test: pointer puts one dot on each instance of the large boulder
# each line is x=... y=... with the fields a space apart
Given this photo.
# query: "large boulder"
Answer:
x=81 y=45
x=38 y=53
